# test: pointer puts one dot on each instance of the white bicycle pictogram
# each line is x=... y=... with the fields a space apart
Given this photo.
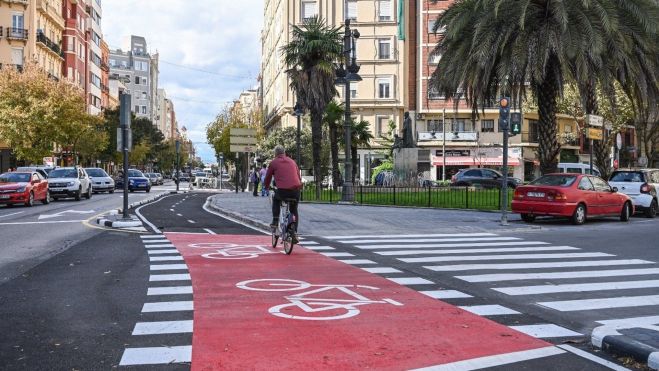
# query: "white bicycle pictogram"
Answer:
x=310 y=303
x=224 y=250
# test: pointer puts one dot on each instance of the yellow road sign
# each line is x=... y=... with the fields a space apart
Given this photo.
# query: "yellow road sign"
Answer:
x=595 y=133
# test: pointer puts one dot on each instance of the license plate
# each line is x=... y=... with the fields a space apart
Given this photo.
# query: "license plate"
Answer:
x=536 y=194
x=56 y=189
x=4 y=197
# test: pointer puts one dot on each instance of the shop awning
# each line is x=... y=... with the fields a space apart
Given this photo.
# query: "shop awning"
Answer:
x=471 y=161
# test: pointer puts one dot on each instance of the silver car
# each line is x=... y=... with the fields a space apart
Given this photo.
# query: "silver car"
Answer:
x=101 y=181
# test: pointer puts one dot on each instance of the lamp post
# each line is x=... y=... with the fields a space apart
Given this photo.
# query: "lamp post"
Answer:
x=345 y=76
x=125 y=119
x=221 y=162
x=178 y=174
x=298 y=112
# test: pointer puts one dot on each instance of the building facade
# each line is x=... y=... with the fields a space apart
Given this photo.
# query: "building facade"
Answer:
x=165 y=115
x=94 y=57
x=75 y=44
x=105 y=74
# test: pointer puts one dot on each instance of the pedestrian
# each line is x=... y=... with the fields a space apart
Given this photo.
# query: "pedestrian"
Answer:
x=254 y=178
x=264 y=190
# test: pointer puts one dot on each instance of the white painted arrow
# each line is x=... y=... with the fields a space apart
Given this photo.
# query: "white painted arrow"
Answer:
x=62 y=213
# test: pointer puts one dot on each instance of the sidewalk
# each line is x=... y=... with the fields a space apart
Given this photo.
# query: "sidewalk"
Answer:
x=326 y=219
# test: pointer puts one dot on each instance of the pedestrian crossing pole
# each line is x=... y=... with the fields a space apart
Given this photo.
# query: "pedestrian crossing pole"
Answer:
x=504 y=120
x=124 y=118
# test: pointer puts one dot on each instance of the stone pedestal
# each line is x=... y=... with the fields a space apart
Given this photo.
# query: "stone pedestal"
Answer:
x=405 y=163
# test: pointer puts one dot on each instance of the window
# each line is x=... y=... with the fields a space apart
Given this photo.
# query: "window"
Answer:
x=143 y=80
x=351 y=9
x=17 y=21
x=533 y=131
x=384 y=48
x=382 y=125
x=95 y=58
x=385 y=10
x=353 y=91
x=17 y=56
x=431 y=25
x=474 y=173
x=434 y=58
x=568 y=128
x=144 y=95
x=433 y=93
x=113 y=62
x=384 y=88
x=96 y=39
x=308 y=9
x=94 y=79
x=600 y=185
x=70 y=44
x=144 y=110
x=137 y=109
x=585 y=185
x=137 y=80
x=487 y=126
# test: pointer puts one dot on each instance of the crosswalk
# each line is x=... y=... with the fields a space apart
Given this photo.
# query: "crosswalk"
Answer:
x=589 y=287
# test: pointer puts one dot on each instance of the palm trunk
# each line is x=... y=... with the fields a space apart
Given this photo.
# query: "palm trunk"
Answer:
x=549 y=147
x=317 y=140
x=334 y=148
x=355 y=165
x=601 y=148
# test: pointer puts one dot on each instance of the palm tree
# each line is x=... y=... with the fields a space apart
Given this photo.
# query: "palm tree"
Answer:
x=500 y=47
x=333 y=118
x=310 y=57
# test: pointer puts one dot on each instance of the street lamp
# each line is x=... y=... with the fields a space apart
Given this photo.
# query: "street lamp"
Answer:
x=178 y=174
x=298 y=112
x=345 y=76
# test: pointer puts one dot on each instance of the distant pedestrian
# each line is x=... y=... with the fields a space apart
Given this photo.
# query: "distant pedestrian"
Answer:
x=264 y=190
x=254 y=178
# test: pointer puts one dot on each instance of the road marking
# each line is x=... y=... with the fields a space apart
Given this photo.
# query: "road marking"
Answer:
x=168 y=244
x=635 y=321
x=411 y=236
x=62 y=213
x=438 y=245
x=304 y=243
x=172 y=290
x=337 y=254
x=139 y=215
x=48 y=222
x=496 y=360
x=166 y=267
x=162 y=327
x=592 y=357
x=169 y=251
x=586 y=263
x=150 y=236
x=357 y=261
x=169 y=277
x=164 y=258
x=209 y=231
x=318 y=248
x=588 y=304
x=382 y=270
x=156 y=355
x=16 y=213
x=489 y=310
x=179 y=214
x=505 y=257
x=557 y=275
x=545 y=331
x=577 y=287
x=446 y=294
x=437 y=240
x=410 y=280
x=167 y=306
x=191 y=221
x=474 y=251
x=172 y=210
x=160 y=240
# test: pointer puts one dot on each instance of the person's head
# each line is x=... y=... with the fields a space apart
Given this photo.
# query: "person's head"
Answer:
x=264 y=165
x=279 y=150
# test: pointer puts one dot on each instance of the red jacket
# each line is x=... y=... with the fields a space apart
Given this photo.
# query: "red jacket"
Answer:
x=285 y=172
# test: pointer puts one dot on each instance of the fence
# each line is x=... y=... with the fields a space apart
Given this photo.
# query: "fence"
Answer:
x=439 y=197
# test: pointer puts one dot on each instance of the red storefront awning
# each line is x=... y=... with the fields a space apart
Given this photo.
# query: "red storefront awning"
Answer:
x=471 y=161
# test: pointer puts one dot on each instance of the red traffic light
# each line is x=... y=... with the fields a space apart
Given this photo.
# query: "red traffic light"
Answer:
x=503 y=103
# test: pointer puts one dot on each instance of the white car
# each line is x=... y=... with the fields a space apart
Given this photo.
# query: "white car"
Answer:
x=641 y=186
x=69 y=182
x=101 y=181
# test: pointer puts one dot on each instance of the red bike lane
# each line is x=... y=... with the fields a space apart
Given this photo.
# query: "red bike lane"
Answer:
x=256 y=308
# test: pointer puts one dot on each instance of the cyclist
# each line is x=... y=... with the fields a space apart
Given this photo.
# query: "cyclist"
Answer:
x=287 y=178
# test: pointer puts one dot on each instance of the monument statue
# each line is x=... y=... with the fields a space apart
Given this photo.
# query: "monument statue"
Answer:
x=398 y=142
x=408 y=136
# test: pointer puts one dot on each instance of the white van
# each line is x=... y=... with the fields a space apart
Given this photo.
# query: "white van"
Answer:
x=574 y=167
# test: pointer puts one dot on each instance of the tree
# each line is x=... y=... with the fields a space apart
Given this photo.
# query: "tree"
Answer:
x=218 y=132
x=332 y=118
x=495 y=48
x=287 y=137
x=310 y=57
x=360 y=138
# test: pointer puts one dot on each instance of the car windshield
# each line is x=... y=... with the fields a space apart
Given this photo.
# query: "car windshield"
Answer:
x=201 y=174
x=96 y=173
x=14 y=178
x=555 y=180
x=63 y=173
x=627 y=176
x=135 y=174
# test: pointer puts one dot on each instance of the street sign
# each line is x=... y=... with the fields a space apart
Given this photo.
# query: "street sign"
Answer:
x=618 y=141
x=242 y=140
x=595 y=133
x=120 y=147
x=594 y=120
x=242 y=132
x=236 y=148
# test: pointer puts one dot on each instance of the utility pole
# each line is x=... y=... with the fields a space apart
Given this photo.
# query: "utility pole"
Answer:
x=125 y=117
x=504 y=114
x=178 y=172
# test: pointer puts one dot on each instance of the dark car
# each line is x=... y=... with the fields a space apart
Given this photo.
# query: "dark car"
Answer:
x=136 y=181
x=486 y=178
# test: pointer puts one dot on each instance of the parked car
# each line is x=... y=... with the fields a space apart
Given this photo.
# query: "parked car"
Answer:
x=576 y=196
x=70 y=182
x=136 y=181
x=23 y=187
x=43 y=170
x=153 y=178
x=486 y=178
x=161 y=179
x=641 y=185
x=577 y=168
x=184 y=177
x=101 y=181
x=199 y=177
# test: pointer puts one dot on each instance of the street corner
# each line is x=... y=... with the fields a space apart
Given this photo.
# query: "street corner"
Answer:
x=256 y=303
x=637 y=340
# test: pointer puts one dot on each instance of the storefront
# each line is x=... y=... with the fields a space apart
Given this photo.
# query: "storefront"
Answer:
x=489 y=157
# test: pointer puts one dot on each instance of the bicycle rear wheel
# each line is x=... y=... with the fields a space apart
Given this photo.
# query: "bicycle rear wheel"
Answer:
x=275 y=239
x=288 y=244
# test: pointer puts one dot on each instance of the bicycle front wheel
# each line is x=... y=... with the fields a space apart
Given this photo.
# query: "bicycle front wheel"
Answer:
x=288 y=245
x=275 y=239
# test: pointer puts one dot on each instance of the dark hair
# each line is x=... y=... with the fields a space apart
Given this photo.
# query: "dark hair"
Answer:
x=264 y=165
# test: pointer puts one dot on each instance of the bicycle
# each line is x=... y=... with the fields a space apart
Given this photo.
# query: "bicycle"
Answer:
x=286 y=227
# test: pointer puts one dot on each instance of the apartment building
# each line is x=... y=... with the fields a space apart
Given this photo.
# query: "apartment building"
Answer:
x=94 y=62
x=105 y=74
x=75 y=44
x=165 y=115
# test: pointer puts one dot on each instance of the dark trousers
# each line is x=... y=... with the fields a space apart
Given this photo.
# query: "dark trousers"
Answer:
x=256 y=188
x=276 y=204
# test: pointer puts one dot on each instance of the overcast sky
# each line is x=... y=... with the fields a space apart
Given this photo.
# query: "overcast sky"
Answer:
x=209 y=52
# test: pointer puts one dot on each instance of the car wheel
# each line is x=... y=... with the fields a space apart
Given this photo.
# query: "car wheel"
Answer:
x=88 y=195
x=626 y=212
x=529 y=218
x=131 y=190
x=148 y=190
x=78 y=195
x=651 y=212
x=111 y=191
x=579 y=215
x=30 y=200
x=46 y=200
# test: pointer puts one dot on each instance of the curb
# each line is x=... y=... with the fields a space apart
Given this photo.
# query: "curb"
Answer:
x=240 y=217
x=146 y=201
x=610 y=340
x=104 y=222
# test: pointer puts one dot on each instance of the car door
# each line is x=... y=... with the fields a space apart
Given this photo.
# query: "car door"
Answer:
x=42 y=186
x=607 y=200
x=473 y=176
x=588 y=195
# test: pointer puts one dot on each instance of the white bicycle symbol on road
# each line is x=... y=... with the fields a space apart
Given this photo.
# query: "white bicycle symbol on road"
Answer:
x=315 y=306
x=233 y=251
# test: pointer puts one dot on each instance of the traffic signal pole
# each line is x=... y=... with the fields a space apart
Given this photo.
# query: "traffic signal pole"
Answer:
x=504 y=114
x=124 y=122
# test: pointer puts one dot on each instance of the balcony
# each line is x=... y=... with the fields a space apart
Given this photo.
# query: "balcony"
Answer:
x=16 y=34
x=22 y=2
x=18 y=67
x=53 y=47
x=105 y=67
x=50 y=12
x=464 y=136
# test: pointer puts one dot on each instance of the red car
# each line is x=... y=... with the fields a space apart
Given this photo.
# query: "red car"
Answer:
x=23 y=188
x=576 y=196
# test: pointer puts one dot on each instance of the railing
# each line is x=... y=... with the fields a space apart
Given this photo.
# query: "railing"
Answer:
x=42 y=38
x=17 y=33
x=463 y=197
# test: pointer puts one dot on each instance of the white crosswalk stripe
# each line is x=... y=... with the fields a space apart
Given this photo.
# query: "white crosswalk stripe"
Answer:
x=475 y=251
x=438 y=245
x=581 y=263
x=504 y=257
x=577 y=287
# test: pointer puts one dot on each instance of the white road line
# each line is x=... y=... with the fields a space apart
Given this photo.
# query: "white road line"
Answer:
x=159 y=240
x=411 y=236
x=585 y=263
x=557 y=275
x=337 y=254
x=169 y=277
x=577 y=287
x=166 y=267
x=357 y=261
x=191 y=221
x=154 y=246
x=504 y=257
x=139 y=215
x=495 y=360
x=209 y=231
x=438 y=245
x=592 y=357
x=636 y=321
x=436 y=240
x=475 y=251
x=382 y=270
x=588 y=304
x=172 y=290
x=172 y=210
x=156 y=355
x=304 y=243
x=150 y=236
x=49 y=222
x=179 y=215
x=545 y=331
x=318 y=248
x=165 y=258
x=16 y=213
x=162 y=327
x=446 y=294
x=167 y=251
x=410 y=281
x=489 y=310
x=167 y=306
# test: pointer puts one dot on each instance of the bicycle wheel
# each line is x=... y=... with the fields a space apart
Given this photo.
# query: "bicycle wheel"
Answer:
x=275 y=239
x=288 y=244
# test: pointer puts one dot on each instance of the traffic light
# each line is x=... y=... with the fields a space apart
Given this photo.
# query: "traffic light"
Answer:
x=504 y=112
x=515 y=123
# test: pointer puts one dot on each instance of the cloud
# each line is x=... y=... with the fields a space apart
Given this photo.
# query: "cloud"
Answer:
x=219 y=36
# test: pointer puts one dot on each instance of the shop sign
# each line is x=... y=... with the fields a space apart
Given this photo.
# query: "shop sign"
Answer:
x=453 y=153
